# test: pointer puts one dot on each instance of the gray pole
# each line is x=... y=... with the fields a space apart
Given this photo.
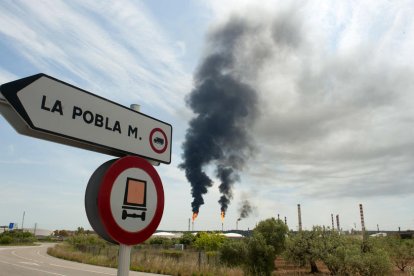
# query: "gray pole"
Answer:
x=124 y=260
x=24 y=212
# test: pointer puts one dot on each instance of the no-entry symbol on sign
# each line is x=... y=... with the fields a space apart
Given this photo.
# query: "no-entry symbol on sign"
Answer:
x=124 y=200
x=158 y=140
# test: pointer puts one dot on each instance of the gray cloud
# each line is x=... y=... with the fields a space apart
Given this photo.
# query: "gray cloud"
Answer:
x=334 y=122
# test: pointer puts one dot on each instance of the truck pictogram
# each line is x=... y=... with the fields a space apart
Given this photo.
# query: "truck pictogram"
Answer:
x=135 y=199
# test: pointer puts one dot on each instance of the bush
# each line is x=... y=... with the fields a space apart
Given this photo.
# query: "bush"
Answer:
x=373 y=263
x=86 y=243
x=233 y=253
x=209 y=241
x=274 y=232
x=260 y=256
x=342 y=255
x=187 y=239
x=401 y=251
x=305 y=248
x=17 y=237
x=6 y=240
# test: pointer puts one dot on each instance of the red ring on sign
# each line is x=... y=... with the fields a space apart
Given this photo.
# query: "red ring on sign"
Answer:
x=104 y=197
x=165 y=139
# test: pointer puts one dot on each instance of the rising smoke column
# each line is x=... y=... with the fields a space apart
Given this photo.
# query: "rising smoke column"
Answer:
x=225 y=109
x=245 y=209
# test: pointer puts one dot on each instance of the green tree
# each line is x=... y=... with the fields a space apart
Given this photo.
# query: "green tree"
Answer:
x=274 y=232
x=233 y=253
x=401 y=251
x=209 y=241
x=80 y=231
x=61 y=233
x=342 y=255
x=303 y=248
x=187 y=239
x=260 y=256
x=375 y=262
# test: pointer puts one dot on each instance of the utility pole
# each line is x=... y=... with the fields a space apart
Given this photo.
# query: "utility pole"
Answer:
x=24 y=212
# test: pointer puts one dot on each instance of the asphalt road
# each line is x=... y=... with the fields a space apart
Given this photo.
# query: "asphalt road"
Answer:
x=34 y=261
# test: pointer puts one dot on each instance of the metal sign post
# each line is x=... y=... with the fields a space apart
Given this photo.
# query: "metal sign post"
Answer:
x=124 y=260
x=124 y=203
x=124 y=199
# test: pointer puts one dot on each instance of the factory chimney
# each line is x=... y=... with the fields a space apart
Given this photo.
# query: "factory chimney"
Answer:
x=361 y=212
x=337 y=223
x=299 y=218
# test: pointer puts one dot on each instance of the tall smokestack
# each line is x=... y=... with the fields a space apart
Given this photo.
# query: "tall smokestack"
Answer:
x=278 y=217
x=299 y=218
x=337 y=223
x=361 y=213
x=333 y=225
x=189 y=221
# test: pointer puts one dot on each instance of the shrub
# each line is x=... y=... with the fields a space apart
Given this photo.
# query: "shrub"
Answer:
x=187 y=239
x=233 y=253
x=209 y=241
x=6 y=240
x=274 y=232
x=17 y=237
x=260 y=256
x=401 y=251
x=87 y=242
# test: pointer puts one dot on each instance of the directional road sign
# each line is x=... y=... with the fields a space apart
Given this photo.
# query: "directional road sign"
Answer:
x=50 y=109
x=124 y=200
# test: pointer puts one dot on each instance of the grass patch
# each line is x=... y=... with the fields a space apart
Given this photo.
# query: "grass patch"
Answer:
x=150 y=260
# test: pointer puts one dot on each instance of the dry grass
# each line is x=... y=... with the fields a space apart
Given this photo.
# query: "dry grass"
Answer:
x=149 y=260
x=186 y=264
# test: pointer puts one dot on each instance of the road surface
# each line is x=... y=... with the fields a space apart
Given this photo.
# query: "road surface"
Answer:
x=34 y=261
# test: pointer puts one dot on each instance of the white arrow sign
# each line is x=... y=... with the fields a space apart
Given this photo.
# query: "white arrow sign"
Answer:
x=60 y=112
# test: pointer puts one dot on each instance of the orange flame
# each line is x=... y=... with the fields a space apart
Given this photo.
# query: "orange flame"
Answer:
x=195 y=216
x=222 y=216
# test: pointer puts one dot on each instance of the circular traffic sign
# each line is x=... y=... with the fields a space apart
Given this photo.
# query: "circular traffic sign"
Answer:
x=158 y=140
x=129 y=200
x=91 y=199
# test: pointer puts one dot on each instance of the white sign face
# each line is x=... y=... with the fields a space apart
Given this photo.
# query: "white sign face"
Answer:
x=133 y=200
x=51 y=106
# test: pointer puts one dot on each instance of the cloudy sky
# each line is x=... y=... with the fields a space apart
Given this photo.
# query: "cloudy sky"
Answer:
x=332 y=126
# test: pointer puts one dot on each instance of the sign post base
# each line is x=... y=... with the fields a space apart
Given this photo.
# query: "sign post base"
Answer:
x=124 y=259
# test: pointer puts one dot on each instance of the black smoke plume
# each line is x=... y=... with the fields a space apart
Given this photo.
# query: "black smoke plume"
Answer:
x=225 y=109
x=245 y=209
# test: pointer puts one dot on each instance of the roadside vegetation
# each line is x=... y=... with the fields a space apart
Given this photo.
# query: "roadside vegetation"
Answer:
x=270 y=250
x=17 y=237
